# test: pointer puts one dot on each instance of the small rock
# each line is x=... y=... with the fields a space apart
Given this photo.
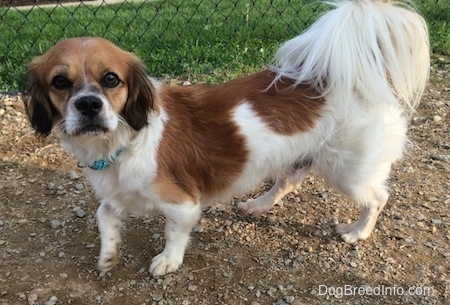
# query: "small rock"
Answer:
x=55 y=224
x=2 y=242
x=50 y=186
x=197 y=229
x=80 y=213
x=79 y=186
x=289 y=299
x=281 y=302
x=52 y=301
x=255 y=303
x=63 y=275
x=73 y=175
x=437 y=118
x=22 y=221
x=167 y=280
x=353 y=264
x=1 y=223
x=32 y=297
x=442 y=158
x=192 y=287
x=436 y=221
x=157 y=297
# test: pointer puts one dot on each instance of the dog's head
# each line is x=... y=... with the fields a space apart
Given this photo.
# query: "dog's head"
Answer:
x=87 y=86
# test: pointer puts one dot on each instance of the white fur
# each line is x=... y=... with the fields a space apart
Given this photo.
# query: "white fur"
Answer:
x=369 y=59
x=351 y=49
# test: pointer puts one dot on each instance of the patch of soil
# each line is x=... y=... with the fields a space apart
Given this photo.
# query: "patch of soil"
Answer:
x=49 y=241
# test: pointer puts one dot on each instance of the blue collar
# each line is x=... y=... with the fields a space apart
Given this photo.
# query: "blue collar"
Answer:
x=102 y=164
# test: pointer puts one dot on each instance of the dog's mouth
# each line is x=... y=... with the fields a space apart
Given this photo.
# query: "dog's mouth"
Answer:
x=91 y=130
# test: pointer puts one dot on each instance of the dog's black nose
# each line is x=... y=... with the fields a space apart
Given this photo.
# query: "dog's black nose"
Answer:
x=89 y=105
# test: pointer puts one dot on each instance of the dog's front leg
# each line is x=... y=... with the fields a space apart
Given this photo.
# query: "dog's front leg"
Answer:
x=109 y=225
x=180 y=219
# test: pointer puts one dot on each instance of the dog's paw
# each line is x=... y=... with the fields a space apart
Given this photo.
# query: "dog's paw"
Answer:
x=107 y=261
x=165 y=263
x=350 y=232
x=252 y=207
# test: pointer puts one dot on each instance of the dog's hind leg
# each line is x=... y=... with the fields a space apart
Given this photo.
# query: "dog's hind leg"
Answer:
x=371 y=200
x=370 y=194
x=282 y=187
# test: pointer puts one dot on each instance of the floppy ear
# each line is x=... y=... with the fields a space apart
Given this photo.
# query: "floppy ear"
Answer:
x=140 y=95
x=38 y=107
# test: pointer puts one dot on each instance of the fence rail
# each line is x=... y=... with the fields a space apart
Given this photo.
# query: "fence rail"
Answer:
x=173 y=37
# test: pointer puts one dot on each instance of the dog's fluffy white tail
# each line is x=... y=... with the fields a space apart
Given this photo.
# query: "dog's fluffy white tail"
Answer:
x=375 y=49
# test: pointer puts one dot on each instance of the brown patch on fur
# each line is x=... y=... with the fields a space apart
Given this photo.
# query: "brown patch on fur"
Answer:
x=202 y=152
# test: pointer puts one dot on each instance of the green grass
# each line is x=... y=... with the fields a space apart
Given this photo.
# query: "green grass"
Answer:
x=213 y=40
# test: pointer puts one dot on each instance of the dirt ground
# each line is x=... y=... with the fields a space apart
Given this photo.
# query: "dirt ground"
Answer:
x=49 y=241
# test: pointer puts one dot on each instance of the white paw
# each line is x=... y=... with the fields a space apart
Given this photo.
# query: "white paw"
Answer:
x=107 y=261
x=252 y=207
x=165 y=263
x=351 y=233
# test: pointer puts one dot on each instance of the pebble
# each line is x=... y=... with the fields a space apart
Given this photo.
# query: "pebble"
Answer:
x=50 y=186
x=289 y=299
x=1 y=223
x=436 y=222
x=79 y=186
x=79 y=212
x=192 y=287
x=2 y=242
x=55 y=224
x=32 y=297
x=437 y=118
x=52 y=301
x=73 y=175
x=157 y=297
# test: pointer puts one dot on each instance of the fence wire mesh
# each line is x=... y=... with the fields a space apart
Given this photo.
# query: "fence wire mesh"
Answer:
x=173 y=37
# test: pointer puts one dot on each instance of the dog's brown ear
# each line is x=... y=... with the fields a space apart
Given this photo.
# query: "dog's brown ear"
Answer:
x=38 y=107
x=140 y=96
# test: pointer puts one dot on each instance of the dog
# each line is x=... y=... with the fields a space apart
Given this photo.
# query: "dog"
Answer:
x=335 y=103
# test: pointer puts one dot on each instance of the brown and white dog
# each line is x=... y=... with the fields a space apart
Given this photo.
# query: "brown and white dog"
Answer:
x=336 y=103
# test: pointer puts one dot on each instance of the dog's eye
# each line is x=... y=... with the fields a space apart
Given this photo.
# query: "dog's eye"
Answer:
x=60 y=82
x=110 y=80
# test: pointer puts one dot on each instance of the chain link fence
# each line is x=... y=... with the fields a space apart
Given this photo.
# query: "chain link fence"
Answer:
x=221 y=38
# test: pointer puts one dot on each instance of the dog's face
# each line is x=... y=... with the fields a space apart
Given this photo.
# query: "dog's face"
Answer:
x=87 y=86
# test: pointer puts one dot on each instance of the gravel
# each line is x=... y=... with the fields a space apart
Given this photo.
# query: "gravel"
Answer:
x=49 y=240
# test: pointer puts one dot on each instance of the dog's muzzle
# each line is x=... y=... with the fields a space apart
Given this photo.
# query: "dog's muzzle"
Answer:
x=90 y=115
